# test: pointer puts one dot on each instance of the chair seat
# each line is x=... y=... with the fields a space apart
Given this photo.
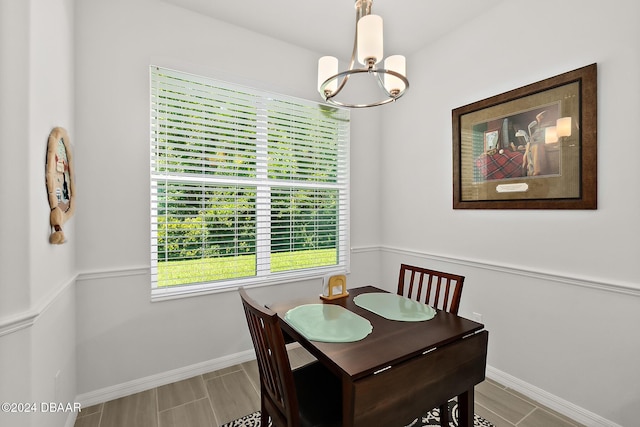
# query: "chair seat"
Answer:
x=319 y=395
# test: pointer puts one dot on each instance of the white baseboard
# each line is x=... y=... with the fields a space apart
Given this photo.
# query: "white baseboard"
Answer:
x=547 y=399
x=163 y=378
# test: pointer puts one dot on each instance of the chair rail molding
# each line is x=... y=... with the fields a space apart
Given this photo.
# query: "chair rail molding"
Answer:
x=113 y=273
x=28 y=318
x=620 y=288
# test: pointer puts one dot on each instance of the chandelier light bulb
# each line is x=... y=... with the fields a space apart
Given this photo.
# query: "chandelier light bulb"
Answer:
x=393 y=84
x=327 y=67
x=370 y=40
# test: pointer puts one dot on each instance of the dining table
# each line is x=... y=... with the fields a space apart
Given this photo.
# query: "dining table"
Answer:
x=400 y=368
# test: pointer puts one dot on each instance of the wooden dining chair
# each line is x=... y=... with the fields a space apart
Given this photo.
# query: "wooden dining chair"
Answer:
x=435 y=288
x=310 y=396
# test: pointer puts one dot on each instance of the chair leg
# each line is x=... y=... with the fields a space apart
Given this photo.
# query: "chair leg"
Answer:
x=444 y=415
x=264 y=415
x=264 y=418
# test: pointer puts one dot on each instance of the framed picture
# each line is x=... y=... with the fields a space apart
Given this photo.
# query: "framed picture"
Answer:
x=534 y=147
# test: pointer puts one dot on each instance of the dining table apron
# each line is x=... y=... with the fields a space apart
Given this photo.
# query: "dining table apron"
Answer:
x=401 y=369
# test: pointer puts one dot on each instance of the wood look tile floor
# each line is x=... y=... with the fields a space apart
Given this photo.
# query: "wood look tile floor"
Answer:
x=218 y=397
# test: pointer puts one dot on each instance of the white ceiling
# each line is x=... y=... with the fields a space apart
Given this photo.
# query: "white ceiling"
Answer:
x=328 y=26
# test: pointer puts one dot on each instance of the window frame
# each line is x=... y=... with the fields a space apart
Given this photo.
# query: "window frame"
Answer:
x=263 y=184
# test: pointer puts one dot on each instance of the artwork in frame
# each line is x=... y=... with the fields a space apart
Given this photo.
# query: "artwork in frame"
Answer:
x=534 y=147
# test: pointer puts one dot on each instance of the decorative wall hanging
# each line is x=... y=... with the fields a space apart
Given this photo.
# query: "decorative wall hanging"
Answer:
x=530 y=148
x=60 y=182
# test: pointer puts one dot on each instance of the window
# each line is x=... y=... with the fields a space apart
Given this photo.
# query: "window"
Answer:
x=246 y=186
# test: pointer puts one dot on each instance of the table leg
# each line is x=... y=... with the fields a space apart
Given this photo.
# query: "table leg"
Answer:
x=444 y=415
x=465 y=408
x=348 y=399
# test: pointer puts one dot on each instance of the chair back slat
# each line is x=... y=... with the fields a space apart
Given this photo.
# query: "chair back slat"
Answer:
x=441 y=290
x=447 y=291
x=411 y=281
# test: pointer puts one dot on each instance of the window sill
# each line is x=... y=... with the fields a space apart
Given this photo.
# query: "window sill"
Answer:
x=188 y=291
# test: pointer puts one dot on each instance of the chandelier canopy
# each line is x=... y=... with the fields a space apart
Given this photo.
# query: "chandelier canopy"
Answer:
x=368 y=49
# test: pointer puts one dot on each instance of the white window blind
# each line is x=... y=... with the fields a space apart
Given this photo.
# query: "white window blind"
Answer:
x=246 y=186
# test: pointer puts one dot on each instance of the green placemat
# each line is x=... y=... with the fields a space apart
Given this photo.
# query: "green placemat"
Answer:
x=395 y=307
x=328 y=323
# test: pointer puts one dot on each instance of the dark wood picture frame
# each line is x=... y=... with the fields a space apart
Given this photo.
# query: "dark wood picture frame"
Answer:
x=546 y=154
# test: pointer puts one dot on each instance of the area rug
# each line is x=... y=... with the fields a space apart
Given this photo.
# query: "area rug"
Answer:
x=431 y=418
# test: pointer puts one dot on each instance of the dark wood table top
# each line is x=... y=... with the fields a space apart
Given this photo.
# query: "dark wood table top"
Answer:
x=390 y=342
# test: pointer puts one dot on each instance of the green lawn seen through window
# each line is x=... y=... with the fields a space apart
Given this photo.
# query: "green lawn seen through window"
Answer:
x=173 y=273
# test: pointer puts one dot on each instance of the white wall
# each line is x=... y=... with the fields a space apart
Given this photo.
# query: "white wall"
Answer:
x=558 y=290
x=124 y=339
x=37 y=302
x=14 y=119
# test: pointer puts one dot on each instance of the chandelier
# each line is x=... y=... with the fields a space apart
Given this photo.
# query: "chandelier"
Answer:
x=368 y=48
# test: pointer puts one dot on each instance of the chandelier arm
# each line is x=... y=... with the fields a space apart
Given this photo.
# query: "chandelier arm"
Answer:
x=352 y=62
x=392 y=96
x=381 y=83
